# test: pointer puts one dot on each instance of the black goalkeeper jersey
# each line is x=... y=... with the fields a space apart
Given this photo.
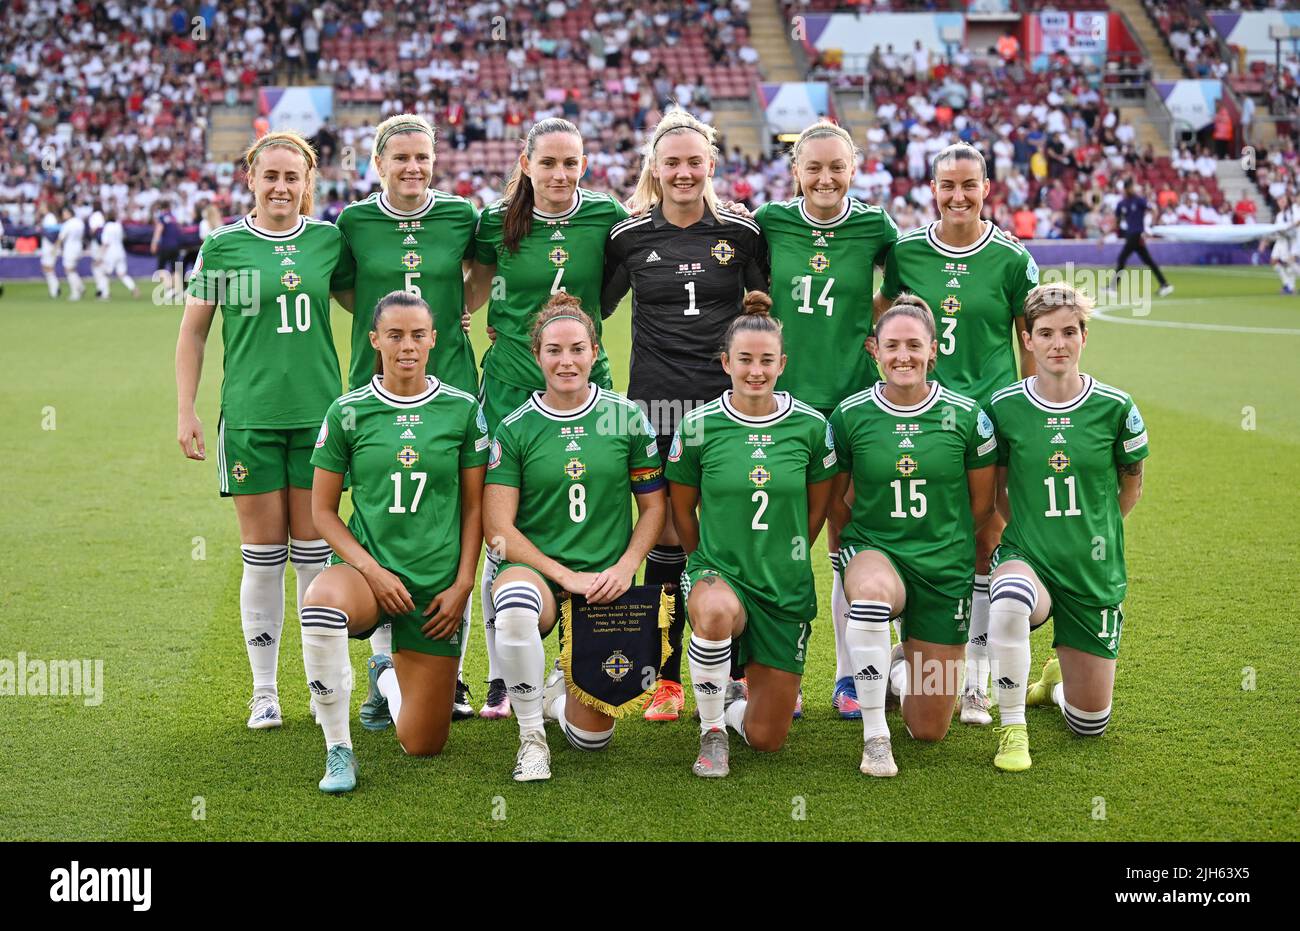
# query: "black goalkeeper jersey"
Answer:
x=687 y=285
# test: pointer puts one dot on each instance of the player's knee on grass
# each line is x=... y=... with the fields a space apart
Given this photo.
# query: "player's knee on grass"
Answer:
x=925 y=723
x=581 y=738
x=423 y=744
x=766 y=736
x=1085 y=723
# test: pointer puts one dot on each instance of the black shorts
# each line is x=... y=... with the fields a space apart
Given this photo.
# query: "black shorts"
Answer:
x=166 y=260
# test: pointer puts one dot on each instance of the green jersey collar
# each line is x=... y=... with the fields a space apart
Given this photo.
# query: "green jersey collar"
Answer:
x=958 y=252
x=582 y=411
x=878 y=395
x=784 y=404
x=392 y=400
x=1031 y=384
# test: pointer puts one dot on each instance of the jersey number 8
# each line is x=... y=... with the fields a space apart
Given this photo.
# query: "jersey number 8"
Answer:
x=577 y=503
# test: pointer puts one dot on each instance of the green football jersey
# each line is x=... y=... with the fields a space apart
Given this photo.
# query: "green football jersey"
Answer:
x=976 y=292
x=575 y=471
x=1062 y=485
x=821 y=292
x=909 y=469
x=753 y=475
x=404 y=457
x=386 y=250
x=281 y=370
x=563 y=252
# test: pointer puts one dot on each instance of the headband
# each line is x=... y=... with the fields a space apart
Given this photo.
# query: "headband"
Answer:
x=405 y=126
x=562 y=317
x=278 y=140
x=660 y=135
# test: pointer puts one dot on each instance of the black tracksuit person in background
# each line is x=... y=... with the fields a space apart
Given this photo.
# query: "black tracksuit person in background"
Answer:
x=1132 y=215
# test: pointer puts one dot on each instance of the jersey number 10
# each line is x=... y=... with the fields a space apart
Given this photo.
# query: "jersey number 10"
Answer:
x=301 y=313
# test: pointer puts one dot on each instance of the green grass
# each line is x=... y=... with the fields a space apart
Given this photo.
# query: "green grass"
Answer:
x=102 y=516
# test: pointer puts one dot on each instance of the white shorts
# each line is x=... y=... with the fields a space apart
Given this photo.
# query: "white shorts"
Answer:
x=70 y=259
x=1282 y=251
x=49 y=254
x=113 y=263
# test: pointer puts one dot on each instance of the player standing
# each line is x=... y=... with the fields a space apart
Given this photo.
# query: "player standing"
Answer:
x=922 y=460
x=94 y=230
x=1285 y=256
x=822 y=294
x=562 y=468
x=166 y=244
x=269 y=274
x=416 y=450
x=1070 y=453
x=759 y=464
x=72 y=235
x=50 y=251
x=691 y=267
x=975 y=278
x=408 y=237
x=112 y=257
x=545 y=236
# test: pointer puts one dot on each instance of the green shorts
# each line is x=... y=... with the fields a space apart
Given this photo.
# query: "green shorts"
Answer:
x=408 y=627
x=498 y=400
x=765 y=640
x=928 y=614
x=252 y=462
x=1094 y=629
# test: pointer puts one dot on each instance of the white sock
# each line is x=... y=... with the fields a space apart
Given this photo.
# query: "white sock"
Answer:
x=324 y=654
x=101 y=279
x=261 y=609
x=583 y=739
x=898 y=678
x=489 y=621
x=1291 y=275
x=710 y=664
x=309 y=558
x=52 y=282
x=76 y=286
x=1012 y=599
x=381 y=641
x=126 y=280
x=735 y=717
x=518 y=609
x=840 y=618
x=392 y=692
x=868 y=641
x=977 y=646
x=1083 y=723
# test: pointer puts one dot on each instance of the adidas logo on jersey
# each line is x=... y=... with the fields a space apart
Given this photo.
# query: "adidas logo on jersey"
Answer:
x=652 y=257
x=954 y=283
x=820 y=241
x=287 y=261
x=906 y=443
x=409 y=240
x=262 y=640
x=870 y=674
x=408 y=434
x=557 y=236
x=573 y=447
x=758 y=454
x=1059 y=438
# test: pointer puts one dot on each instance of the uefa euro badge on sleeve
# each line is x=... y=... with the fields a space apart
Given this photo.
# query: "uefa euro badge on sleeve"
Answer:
x=612 y=652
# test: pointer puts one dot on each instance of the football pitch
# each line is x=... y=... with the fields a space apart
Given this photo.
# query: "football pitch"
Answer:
x=117 y=550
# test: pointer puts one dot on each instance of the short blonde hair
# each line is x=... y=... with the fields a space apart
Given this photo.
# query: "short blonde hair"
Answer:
x=397 y=125
x=1056 y=295
x=649 y=192
x=821 y=128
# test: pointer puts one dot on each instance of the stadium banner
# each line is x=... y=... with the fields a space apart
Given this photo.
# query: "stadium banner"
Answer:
x=1192 y=102
x=1250 y=31
x=612 y=652
x=853 y=34
x=791 y=106
x=303 y=109
x=1082 y=35
x=1234 y=233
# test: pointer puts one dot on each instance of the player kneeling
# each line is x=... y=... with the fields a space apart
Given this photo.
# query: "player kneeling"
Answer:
x=759 y=463
x=1070 y=453
x=558 y=516
x=415 y=450
x=921 y=458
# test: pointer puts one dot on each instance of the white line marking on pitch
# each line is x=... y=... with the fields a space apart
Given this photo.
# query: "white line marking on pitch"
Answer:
x=1103 y=313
